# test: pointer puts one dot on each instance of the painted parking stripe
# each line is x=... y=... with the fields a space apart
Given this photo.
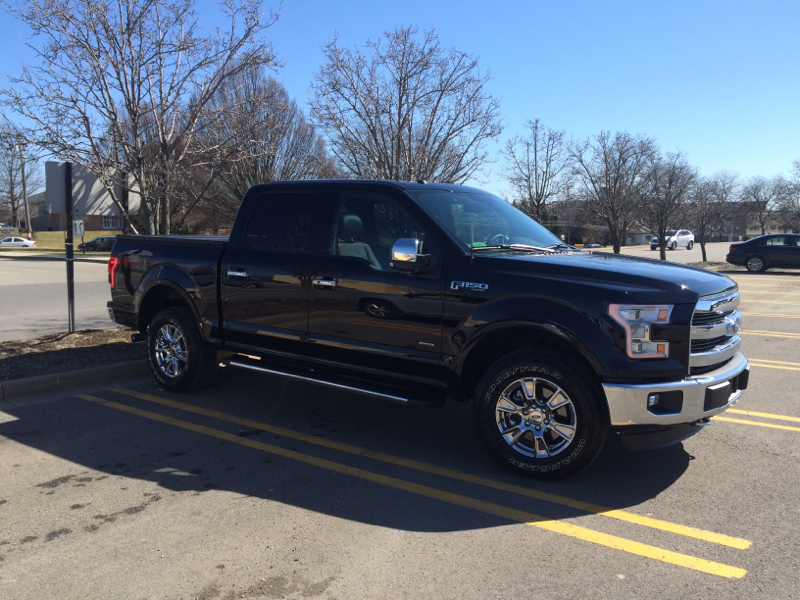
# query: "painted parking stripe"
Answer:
x=782 y=334
x=760 y=364
x=575 y=531
x=757 y=424
x=749 y=314
x=693 y=532
x=752 y=413
x=777 y=302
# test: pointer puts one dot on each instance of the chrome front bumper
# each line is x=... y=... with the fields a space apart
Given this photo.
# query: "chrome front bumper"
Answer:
x=628 y=404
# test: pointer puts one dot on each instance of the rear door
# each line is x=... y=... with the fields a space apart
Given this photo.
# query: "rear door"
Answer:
x=363 y=312
x=780 y=250
x=264 y=273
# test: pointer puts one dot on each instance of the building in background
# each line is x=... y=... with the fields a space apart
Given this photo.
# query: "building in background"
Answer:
x=91 y=202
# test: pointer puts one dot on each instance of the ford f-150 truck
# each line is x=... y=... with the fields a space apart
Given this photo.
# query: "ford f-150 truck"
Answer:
x=416 y=292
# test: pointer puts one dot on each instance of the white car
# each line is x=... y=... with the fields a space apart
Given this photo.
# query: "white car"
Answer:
x=675 y=239
x=16 y=242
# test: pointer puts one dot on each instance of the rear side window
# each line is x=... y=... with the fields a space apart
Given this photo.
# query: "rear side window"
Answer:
x=281 y=222
x=779 y=241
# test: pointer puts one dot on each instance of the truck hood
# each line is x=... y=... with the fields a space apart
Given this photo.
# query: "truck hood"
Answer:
x=643 y=279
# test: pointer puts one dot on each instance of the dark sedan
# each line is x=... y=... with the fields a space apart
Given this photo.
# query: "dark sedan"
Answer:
x=780 y=250
x=104 y=242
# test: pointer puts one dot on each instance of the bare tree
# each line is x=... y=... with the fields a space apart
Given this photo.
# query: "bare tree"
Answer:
x=405 y=109
x=710 y=206
x=19 y=175
x=761 y=195
x=122 y=86
x=667 y=184
x=612 y=172
x=536 y=167
x=278 y=142
x=789 y=197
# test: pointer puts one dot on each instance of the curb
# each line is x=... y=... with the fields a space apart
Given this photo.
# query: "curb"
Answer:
x=58 y=257
x=17 y=388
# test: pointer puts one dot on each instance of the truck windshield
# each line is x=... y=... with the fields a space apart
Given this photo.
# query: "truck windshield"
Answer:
x=479 y=220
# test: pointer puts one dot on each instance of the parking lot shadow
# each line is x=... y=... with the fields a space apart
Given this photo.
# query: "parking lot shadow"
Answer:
x=279 y=441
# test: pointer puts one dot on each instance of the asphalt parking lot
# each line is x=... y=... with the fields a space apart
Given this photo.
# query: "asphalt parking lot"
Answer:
x=263 y=488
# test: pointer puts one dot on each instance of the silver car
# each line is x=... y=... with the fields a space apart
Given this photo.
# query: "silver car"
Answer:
x=16 y=242
x=675 y=239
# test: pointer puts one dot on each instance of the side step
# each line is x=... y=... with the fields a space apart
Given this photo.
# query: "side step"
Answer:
x=384 y=393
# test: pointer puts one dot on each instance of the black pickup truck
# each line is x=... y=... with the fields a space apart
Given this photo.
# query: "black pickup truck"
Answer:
x=420 y=292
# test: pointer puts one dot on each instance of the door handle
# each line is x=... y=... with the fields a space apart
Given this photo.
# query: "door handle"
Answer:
x=325 y=284
x=237 y=273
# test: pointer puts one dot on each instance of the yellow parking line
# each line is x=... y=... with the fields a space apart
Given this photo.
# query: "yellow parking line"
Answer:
x=770 y=302
x=575 y=531
x=777 y=362
x=752 y=413
x=693 y=532
x=749 y=314
x=760 y=293
x=782 y=334
x=769 y=425
x=757 y=363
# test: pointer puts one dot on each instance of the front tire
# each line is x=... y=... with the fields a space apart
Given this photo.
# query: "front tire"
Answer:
x=756 y=264
x=690 y=245
x=179 y=358
x=539 y=417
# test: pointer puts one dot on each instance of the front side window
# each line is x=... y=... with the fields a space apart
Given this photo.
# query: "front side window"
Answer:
x=367 y=225
x=281 y=222
x=478 y=220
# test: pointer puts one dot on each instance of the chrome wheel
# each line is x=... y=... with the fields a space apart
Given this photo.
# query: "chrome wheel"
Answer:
x=170 y=351
x=536 y=417
x=755 y=264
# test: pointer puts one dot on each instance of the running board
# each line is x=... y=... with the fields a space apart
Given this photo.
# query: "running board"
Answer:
x=348 y=388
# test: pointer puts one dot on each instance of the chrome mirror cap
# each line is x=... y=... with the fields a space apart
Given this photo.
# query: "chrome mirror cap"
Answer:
x=405 y=250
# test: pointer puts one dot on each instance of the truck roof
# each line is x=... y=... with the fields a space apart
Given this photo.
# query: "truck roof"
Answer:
x=404 y=185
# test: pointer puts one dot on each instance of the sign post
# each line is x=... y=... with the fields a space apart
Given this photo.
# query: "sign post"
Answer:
x=78 y=229
x=68 y=245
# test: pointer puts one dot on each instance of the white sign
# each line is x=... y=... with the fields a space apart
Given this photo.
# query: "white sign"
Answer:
x=77 y=228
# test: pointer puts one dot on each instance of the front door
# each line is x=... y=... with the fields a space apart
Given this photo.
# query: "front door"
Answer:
x=364 y=312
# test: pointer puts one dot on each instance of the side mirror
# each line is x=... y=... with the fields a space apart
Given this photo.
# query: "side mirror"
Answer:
x=406 y=255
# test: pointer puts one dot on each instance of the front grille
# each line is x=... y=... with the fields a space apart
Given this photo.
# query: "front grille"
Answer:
x=715 y=326
x=710 y=317
x=709 y=344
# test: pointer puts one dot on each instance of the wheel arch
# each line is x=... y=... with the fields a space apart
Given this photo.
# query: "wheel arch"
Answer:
x=163 y=294
x=493 y=345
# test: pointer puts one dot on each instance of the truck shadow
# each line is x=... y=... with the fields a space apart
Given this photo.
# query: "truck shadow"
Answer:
x=179 y=450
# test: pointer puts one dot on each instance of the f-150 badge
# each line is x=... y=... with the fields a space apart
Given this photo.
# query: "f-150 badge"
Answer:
x=469 y=285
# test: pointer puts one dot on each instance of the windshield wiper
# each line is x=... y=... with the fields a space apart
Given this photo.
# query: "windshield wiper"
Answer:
x=513 y=247
x=560 y=246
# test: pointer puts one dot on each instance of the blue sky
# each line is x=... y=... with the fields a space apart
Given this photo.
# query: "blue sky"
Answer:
x=718 y=80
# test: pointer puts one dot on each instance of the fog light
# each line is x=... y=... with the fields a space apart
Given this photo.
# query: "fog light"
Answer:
x=665 y=403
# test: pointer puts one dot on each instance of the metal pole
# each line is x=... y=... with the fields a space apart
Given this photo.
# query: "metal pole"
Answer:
x=68 y=244
x=25 y=191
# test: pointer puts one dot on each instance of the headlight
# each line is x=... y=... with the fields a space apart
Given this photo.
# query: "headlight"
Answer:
x=637 y=321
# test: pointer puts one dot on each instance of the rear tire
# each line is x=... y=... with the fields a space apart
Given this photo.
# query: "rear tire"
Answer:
x=179 y=358
x=539 y=417
x=755 y=264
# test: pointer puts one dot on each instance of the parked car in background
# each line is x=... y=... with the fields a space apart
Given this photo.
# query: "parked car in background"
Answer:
x=105 y=242
x=780 y=250
x=16 y=242
x=675 y=239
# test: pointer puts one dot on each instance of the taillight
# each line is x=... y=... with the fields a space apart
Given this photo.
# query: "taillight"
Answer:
x=732 y=248
x=113 y=263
